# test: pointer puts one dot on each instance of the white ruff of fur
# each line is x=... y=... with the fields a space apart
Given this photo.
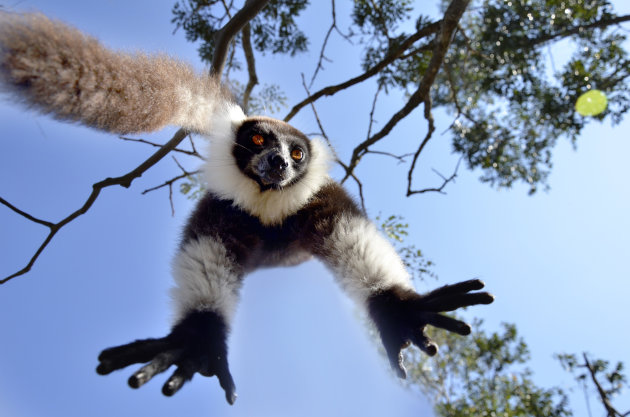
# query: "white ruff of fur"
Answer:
x=226 y=180
x=204 y=279
x=363 y=261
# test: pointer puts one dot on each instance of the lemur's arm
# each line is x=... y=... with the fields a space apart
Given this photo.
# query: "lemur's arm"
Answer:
x=60 y=71
x=208 y=275
x=207 y=283
x=369 y=269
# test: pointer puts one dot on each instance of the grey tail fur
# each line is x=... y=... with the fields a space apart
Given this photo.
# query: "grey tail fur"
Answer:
x=60 y=71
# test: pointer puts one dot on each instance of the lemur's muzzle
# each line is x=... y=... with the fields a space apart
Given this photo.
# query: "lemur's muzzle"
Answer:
x=272 y=168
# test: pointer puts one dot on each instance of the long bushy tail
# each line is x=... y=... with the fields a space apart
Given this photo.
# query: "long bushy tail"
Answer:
x=58 y=70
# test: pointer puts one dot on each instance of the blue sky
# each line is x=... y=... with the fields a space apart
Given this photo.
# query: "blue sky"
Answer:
x=557 y=261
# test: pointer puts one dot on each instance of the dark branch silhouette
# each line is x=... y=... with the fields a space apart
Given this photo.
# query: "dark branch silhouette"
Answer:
x=124 y=181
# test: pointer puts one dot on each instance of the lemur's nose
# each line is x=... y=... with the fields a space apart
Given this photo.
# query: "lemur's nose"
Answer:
x=277 y=162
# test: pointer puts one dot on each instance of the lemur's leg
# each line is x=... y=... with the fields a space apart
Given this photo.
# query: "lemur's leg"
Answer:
x=205 y=296
x=369 y=269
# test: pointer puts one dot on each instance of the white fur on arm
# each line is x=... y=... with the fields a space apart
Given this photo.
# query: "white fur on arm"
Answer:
x=205 y=279
x=362 y=260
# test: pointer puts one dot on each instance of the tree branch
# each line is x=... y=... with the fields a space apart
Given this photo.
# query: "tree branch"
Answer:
x=323 y=133
x=388 y=59
x=431 y=128
x=224 y=35
x=157 y=145
x=169 y=184
x=322 y=56
x=124 y=181
x=443 y=38
x=577 y=29
x=251 y=64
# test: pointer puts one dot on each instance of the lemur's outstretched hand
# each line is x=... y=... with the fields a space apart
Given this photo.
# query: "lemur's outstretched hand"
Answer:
x=401 y=316
x=196 y=344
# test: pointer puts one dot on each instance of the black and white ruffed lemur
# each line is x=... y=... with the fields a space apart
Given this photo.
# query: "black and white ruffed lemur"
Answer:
x=274 y=204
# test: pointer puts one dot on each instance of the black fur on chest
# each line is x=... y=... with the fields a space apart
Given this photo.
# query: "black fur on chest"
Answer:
x=252 y=244
x=245 y=238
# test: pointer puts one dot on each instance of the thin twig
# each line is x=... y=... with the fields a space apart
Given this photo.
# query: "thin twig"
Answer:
x=325 y=136
x=251 y=64
x=361 y=197
x=400 y=158
x=322 y=55
x=169 y=184
x=373 y=109
x=25 y=214
x=157 y=145
x=431 y=128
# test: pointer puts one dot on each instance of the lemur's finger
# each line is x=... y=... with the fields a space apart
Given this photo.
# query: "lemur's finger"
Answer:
x=183 y=373
x=158 y=365
x=135 y=352
x=227 y=383
x=395 y=356
x=424 y=343
x=447 y=323
x=460 y=287
x=455 y=301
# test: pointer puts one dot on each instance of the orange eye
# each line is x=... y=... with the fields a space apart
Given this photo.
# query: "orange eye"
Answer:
x=297 y=154
x=258 y=140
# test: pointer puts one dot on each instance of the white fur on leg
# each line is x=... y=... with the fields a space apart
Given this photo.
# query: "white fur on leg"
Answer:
x=205 y=279
x=362 y=260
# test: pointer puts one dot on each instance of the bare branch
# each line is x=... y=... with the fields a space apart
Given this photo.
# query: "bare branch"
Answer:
x=323 y=133
x=445 y=182
x=124 y=181
x=25 y=214
x=224 y=36
x=373 y=109
x=400 y=158
x=388 y=59
x=157 y=145
x=192 y=146
x=361 y=197
x=443 y=38
x=322 y=56
x=251 y=64
x=169 y=183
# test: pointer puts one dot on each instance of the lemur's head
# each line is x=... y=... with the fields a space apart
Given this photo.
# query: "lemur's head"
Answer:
x=265 y=166
x=271 y=152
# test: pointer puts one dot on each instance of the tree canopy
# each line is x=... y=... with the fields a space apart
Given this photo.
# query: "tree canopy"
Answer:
x=510 y=72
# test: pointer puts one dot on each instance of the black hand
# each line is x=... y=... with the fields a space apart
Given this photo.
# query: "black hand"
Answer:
x=401 y=316
x=196 y=344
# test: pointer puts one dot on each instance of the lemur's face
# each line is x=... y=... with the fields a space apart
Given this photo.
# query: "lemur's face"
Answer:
x=272 y=153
